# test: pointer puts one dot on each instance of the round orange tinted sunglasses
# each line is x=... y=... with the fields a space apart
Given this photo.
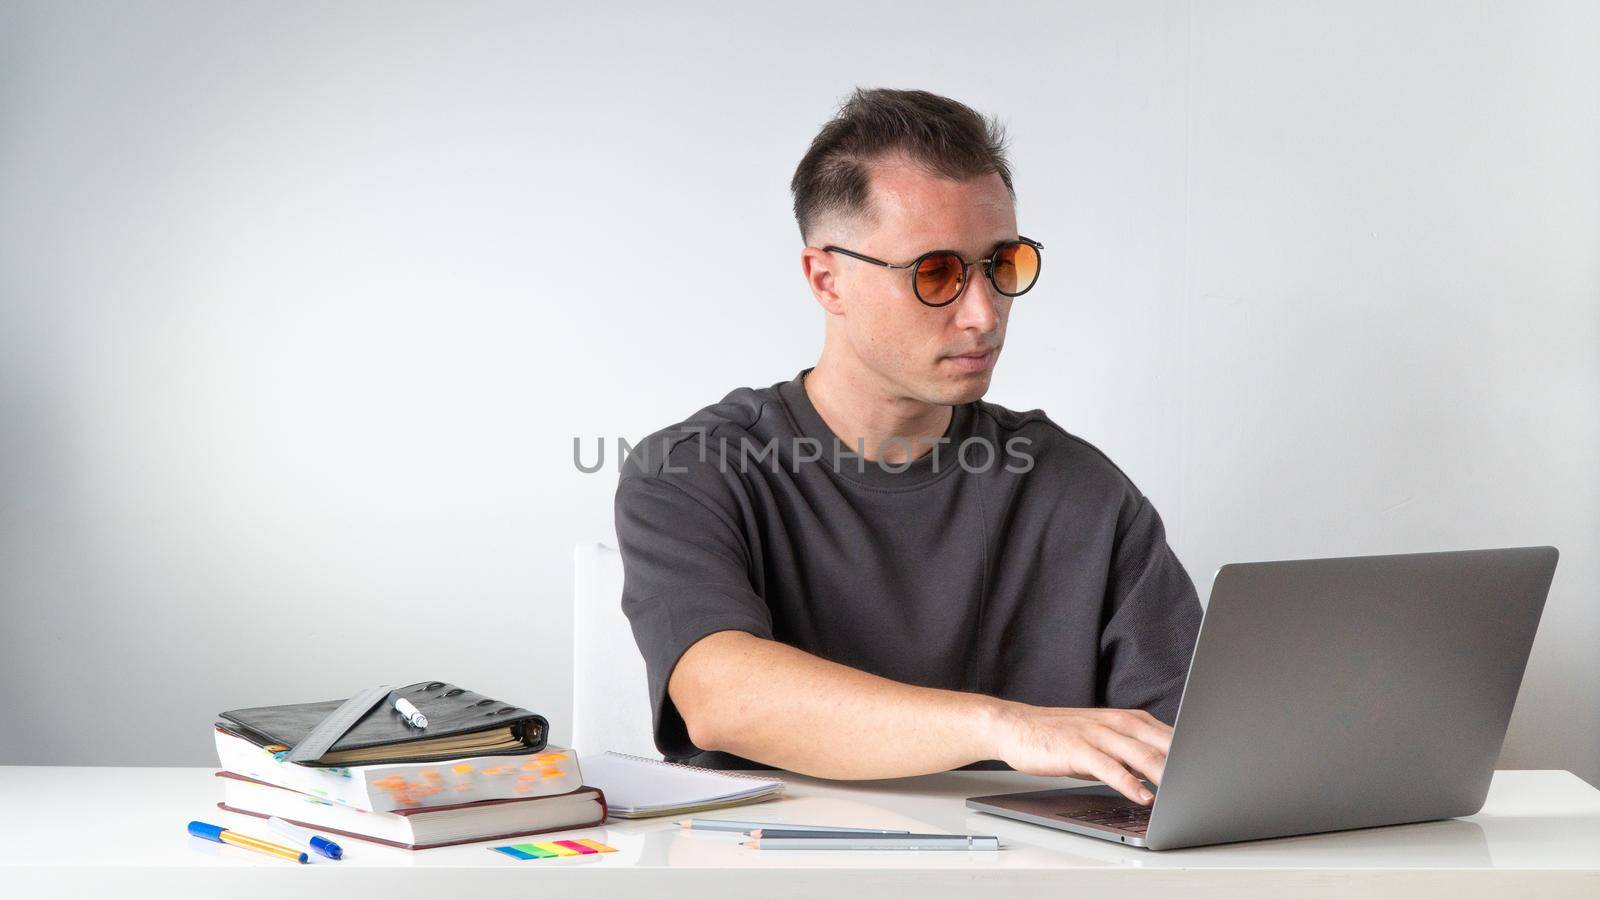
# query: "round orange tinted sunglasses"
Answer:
x=939 y=277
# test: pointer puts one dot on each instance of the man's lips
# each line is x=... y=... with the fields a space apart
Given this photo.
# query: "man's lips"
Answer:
x=974 y=360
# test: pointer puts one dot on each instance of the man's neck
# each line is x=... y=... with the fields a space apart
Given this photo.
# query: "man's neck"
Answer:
x=865 y=413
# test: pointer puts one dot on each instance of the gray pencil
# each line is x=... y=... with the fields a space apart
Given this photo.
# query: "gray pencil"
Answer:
x=880 y=842
x=747 y=827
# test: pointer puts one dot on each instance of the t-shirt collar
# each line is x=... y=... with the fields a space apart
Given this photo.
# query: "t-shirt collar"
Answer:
x=855 y=468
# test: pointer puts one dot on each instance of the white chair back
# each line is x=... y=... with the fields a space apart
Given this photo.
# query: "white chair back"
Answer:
x=610 y=698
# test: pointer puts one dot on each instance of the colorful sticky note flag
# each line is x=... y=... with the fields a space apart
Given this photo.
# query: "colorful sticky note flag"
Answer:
x=553 y=849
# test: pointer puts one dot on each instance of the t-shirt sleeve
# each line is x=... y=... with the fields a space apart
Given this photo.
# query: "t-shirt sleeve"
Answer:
x=686 y=574
x=1153 y=619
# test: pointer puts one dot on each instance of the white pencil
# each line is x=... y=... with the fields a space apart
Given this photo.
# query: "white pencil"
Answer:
x=880 y=842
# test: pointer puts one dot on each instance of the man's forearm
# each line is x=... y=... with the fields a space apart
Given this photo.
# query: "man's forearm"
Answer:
x=774 y=704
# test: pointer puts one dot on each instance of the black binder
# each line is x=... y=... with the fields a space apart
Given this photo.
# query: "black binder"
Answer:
x=460 y=723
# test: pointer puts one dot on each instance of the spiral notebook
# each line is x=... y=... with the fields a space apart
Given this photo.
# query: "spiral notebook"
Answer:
x=638 y=788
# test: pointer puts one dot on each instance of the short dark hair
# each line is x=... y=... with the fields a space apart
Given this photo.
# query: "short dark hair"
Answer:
x=946 y=137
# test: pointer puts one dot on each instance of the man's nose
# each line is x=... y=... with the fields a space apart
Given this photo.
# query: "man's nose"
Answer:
x=976 y=306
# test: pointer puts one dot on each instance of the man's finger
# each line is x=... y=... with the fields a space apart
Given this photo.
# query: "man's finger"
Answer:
x=1142 y=726
x=1116 y=777
x=1145 y=759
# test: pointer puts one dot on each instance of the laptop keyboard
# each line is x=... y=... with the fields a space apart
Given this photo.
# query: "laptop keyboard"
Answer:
x=1129 y=817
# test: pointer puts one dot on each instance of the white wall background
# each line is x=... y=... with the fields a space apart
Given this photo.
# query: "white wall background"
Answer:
x=301 y=309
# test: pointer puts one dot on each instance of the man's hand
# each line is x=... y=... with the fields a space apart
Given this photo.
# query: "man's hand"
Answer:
x=1116 y=746
x=772 y=703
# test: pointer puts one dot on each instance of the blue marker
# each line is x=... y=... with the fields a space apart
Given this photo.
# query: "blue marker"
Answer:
x=309 y=839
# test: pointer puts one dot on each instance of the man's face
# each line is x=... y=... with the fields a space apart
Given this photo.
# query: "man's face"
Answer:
x=921 y=351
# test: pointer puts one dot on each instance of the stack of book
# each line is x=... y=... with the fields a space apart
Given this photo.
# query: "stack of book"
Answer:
x=480 y=770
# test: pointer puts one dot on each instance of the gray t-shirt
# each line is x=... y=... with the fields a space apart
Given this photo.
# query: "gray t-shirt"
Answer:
x=1016 y=561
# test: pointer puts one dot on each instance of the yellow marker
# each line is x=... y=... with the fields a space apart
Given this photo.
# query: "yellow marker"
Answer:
x=557 y=849
x=268 y=847
x=224 y=836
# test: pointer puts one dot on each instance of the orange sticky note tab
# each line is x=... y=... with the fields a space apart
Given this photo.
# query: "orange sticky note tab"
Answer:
x=595 y=845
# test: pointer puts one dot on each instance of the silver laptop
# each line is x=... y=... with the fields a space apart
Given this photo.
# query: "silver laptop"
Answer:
x=1327 y=694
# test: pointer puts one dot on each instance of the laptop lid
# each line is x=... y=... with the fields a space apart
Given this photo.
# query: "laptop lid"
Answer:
x=1327 y=694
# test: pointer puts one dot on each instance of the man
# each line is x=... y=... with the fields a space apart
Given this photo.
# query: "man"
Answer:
x=869 y=572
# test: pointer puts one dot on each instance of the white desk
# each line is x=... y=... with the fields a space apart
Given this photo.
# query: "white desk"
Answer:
x=77 y=832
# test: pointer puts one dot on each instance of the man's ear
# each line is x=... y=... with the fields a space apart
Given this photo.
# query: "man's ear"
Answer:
x=818 y=267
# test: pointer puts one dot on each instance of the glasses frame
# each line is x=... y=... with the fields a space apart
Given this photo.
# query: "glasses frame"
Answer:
x=966 y=267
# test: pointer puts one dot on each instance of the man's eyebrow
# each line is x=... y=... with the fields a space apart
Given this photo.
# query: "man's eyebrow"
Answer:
x=991 y=248
x=981 y=254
